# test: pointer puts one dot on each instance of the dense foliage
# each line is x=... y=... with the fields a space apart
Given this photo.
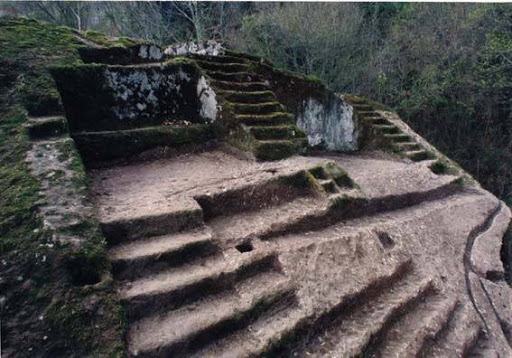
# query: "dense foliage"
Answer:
x=444 y=67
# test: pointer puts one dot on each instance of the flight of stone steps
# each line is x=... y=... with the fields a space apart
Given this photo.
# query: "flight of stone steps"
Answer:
x=390 y=135
x=240 y=304
x=271 y=128
x=185 y=290
x=224 y=287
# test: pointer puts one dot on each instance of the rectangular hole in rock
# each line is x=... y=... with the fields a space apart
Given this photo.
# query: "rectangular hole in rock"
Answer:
x=245 y=247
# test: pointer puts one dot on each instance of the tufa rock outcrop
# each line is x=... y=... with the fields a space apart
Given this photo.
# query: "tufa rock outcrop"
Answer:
x=248 y=211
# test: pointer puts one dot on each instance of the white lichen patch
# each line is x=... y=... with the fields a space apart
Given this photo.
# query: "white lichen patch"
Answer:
x=208 y=103
x=143 y=93
x=136 y=92
x=150 y=52
x=330 y=123
x=211 y=48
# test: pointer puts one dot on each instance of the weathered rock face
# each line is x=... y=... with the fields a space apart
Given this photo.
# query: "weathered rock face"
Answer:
x=146 y=93
x=325 y=116
x=330 y=124
x=99 y=97
x=209 y=106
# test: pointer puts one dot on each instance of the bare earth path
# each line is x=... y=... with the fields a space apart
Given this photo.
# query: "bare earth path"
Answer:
x=216 y=256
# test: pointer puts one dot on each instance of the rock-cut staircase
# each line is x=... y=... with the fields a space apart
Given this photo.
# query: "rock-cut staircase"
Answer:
x=269 y=130
x=389 y=134
x=180 y=292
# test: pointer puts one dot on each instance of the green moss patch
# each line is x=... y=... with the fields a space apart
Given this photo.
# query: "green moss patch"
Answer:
x=107 y=41
x=420 y=155
x=276 y=150
x=46 y=128
x=331 y=170
x=31 y=46
x=441 y=167
x=48 y=311
x=340 y=176
x=292 y=88
x=265 y=119
x=256 y=108
x=249 y=97
x=362 y=100
x=102 y=146
x=277 y=132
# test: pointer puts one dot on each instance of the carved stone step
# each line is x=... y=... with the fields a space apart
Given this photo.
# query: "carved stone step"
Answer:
x=218 y=58
x=419 y=155
x=255 y=340
x=45 y=127
x=248 y=96
x=156 y=253
x=235 y=76
x=376 y=120
x=257 y=108
x=408 y=146
x=329 y=185
x=462 y=334
x=173 y=288
x=278 y=333
x=410 y=332
x=245 y=56
x=240 y=86
x=397 y=138
x=362 y=106
x=278 y=149
x=351 y=333
x=386 y=128
x=265 y=119
x=237 y=228
x=367 y=113
x=277 y=132
x=223 y=67
x=197 y=325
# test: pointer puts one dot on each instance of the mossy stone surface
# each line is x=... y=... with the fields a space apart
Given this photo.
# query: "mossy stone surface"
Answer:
x=276 y=150
x=117 y=55
x=100 y=97
x=45 y=313
x=46 y=128
x=441 y=167
x=265 y=119
x=277 y=132
x=103 y=146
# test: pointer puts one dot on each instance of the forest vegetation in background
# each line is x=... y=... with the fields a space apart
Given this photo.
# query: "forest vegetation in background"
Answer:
x=445 y=68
